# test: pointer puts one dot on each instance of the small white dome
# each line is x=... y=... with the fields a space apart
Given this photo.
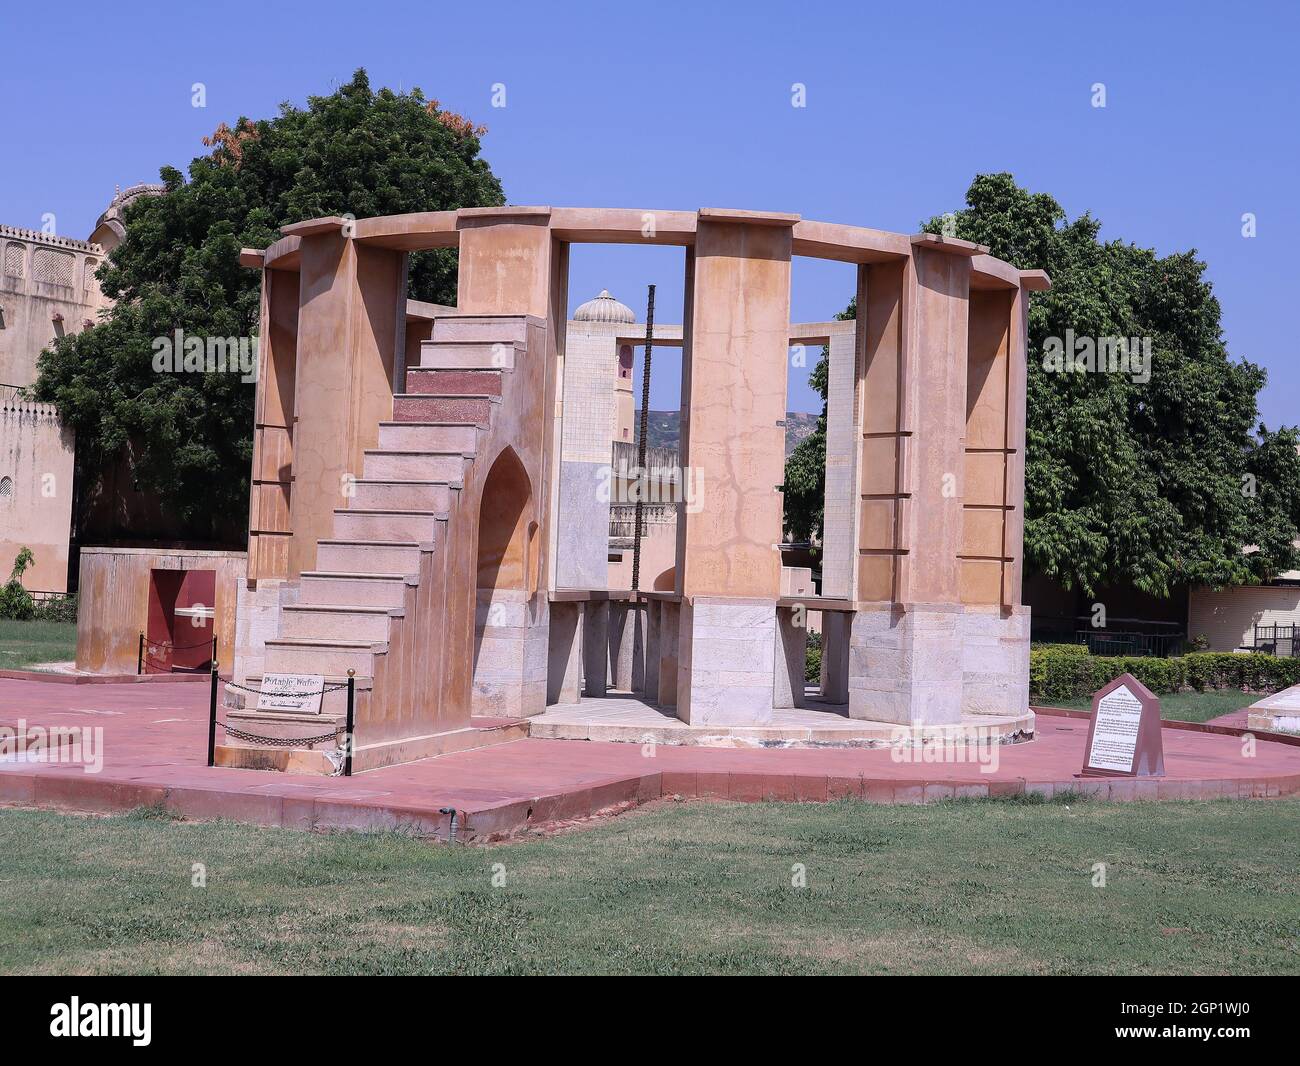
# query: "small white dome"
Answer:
x=604 y=308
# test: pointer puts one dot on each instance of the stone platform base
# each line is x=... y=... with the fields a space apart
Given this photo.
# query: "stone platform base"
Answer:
x=628 y=719
x=1273 y=722
x=1278 y=713
x=322 y=760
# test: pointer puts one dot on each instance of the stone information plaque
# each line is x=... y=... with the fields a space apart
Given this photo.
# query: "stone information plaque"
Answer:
x=296 y=693
x=1124 y=737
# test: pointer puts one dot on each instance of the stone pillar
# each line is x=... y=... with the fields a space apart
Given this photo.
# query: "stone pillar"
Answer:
x=791 y=661
x=905 y=659
x=995 y=626
x=653 y=610
x=351 y=319
x=669 y=629
x=835 y=656
x=734 y=381
x=509 y=264
x=988 y=449
x=589 y=414
x=839 y=525
x=270 y=530
x=564 y=666
x=595 y=647
x=622 y=645
x=640 y=635
x=504 y=262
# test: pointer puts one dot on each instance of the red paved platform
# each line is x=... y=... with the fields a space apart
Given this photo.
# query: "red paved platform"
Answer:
x=155 y=740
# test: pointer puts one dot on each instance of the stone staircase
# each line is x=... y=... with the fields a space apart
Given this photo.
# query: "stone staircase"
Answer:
x=394 y=532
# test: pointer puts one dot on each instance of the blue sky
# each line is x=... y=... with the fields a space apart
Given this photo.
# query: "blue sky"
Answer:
x=670 y=105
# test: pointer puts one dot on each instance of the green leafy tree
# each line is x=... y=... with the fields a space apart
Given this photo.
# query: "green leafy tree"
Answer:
x=356 y=152
x=1156 y=483
x=15 y=601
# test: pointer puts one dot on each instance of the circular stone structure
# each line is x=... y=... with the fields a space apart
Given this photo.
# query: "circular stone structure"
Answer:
x=478 y=442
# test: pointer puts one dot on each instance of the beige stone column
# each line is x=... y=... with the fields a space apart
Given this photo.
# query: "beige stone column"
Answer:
x=791 y=661
x=988 y=449
x=653 y=613
x=269 y=528
x=504 y=265
x=995 y=626
x=733 y=441
x=511 y=265
x=352 y=305
x=905 y=652
x=564 y=665
x=843 y=429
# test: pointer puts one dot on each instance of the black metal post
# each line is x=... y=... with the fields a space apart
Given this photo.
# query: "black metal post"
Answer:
x=212 y=718
x=351 y=741
x=139 y=657
x=214 y=648
x=641 y=442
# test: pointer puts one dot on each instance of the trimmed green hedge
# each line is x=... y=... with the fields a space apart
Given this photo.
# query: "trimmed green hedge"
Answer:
x=1068 y=671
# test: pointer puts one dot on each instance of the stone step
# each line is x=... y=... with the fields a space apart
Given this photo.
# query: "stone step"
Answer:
x=507 y=328
x=428 y=436
x=401 y=494
x=335 y=622
x=361 y=590
x=313 y=655
x=470 y=355
x=386 y=465
x=387 y=525
x=368 y=557
x=422 y=381
x=430 y=408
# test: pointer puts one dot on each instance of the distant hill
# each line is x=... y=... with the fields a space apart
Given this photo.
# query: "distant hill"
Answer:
x=665 y=432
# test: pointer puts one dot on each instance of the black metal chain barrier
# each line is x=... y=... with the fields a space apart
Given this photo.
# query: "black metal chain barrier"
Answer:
x=284 y=742
x=270 y=692
x=177 y=647
x=142 y=656
x=277 y=742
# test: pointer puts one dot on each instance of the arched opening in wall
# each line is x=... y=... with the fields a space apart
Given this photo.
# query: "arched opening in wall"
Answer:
x=820 y=502
x=507 y=568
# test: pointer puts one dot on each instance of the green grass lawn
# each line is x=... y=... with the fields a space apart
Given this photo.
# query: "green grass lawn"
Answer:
x=25 y=643
x=959 y=887
x=1188 y=706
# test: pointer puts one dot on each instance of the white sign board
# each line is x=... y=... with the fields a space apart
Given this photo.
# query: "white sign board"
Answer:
x=298 y=693
x=1115 y=732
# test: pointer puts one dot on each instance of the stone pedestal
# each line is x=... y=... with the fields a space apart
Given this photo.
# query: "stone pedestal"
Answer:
x=511 y=658
x=905 y=664
x=670 y=615
x=564 y=666
x=595 y=647
x=791 y=657
x=836 y=626
x=995 y=661
x=727 y=653
x=640 y=640
x=653 y=650
x=623 y=646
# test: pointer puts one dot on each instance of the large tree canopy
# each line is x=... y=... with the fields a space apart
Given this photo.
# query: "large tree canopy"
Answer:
x=356 y=152
x=1152 y=483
